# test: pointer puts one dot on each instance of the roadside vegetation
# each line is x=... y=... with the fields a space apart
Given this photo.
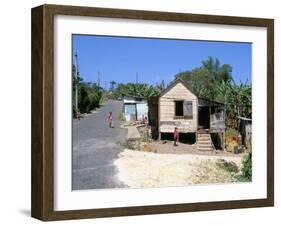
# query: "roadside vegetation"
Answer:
x=246 y=172
x=243 y=175
x=90 y=95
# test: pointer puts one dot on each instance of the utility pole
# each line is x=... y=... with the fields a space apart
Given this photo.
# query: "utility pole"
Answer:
x=98 y=79
x=76 y=83
x=137 y=78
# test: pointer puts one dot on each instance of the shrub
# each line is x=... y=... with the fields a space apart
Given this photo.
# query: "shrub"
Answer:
x=121 y=117
x=131 y=144
x=84 y=100
x=227 y=166
x=230 y=132
x=246 y=172
x=247 y=166
x=94 y=101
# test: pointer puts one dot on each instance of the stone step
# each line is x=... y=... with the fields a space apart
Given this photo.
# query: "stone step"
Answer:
x=204 y=138
x=204 y=145
x=205 y=148
x=204 y=142
x=203 y=134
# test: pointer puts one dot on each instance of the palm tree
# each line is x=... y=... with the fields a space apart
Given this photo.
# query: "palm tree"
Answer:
x=112 y=85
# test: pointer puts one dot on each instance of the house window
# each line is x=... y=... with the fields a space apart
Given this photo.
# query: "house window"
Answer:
x=183 y=109
x=179 y=108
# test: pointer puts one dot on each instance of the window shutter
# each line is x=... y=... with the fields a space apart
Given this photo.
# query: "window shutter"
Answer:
x=187 y=109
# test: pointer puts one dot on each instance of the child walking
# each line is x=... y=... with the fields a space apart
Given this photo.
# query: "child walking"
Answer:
x=109 y=119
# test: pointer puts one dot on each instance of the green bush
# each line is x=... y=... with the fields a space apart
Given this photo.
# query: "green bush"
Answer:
x=230 y=132
x=246 y=172
x=94 y=100
x=90 y=96
x=84 y=101
x=227 y=166
x=247 y=168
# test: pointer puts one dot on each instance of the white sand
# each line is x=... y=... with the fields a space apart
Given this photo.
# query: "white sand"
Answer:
x=140 y=169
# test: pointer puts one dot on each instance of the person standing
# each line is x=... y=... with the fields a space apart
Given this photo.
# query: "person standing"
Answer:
x=146 y=123
x=78 y=115
x=176 y=136
x=110 y=119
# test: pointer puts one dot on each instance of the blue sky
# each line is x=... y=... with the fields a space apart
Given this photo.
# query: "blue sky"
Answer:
x=154 y=60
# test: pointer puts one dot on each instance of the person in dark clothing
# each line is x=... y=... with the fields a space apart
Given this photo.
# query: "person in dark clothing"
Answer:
x=176 y=136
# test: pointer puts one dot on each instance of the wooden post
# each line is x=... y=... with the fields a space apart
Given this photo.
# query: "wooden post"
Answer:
x=209 y=117
x=223 y=141
x=136 y=111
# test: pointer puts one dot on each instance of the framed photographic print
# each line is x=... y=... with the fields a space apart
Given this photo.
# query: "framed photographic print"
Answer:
x=141 y=112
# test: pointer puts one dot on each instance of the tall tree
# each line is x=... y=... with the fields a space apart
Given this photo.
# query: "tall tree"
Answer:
x=112 y=85
x=214 y=81
x=205 y=79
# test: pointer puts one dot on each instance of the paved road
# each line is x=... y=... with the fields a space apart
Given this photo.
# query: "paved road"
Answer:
x=95 y=147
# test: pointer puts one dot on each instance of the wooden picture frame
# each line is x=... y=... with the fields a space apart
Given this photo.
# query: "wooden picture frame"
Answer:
x=42 y=203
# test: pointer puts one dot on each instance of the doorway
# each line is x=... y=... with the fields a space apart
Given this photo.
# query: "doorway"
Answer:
x=204 y=117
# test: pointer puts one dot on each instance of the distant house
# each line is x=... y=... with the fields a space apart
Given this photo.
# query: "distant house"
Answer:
x=195 y=117
x=135 y=108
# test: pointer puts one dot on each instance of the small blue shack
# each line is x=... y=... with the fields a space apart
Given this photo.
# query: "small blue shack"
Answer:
x=135 y=108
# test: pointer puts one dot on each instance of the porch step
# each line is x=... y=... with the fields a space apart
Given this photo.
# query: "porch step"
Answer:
x=203 y=138
x=205 y=149
x=203 y=133
x=209 y=144
x=204 y=142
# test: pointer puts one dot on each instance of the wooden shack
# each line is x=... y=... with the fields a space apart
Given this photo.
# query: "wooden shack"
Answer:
x=178 y=106
x=245 y=129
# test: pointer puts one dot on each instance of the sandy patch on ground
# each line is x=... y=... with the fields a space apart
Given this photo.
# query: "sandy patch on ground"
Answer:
x=140 y=169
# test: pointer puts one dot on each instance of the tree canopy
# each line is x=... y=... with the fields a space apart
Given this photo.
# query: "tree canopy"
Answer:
x=205 y=79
